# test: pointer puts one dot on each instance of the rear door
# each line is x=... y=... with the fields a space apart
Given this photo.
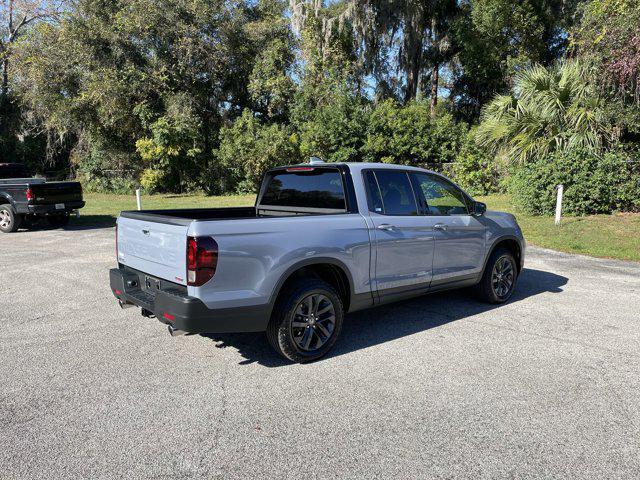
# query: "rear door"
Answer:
x=155 y=248
x=404 y=242
x=459 y=236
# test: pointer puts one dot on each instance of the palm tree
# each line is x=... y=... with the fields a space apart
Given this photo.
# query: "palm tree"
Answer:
x=549 y=109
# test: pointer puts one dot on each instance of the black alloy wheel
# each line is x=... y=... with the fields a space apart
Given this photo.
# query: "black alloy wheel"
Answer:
x=314 y=322
x=503 y=276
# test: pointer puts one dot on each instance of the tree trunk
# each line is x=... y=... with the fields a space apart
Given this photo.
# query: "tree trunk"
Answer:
x=413 y=75
x=435 y=74
x=4 y=90
x=412 y=84
x=413 y=46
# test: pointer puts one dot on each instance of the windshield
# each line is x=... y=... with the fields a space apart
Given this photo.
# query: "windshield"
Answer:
x=14 y=170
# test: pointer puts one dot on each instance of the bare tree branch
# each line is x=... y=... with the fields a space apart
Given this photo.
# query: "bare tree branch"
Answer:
x=29 y=11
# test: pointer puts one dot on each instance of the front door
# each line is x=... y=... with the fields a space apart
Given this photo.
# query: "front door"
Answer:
x=459 y=236
x=404 y=242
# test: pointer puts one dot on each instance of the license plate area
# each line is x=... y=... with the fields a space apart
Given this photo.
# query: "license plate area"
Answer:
x=151 y=285
x=59 y=206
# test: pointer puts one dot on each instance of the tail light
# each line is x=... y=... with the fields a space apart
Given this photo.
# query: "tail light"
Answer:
x=30 y=194
x=300 y=169
x=202 y=260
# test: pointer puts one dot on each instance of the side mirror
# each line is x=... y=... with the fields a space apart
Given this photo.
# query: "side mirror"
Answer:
x=479 y=208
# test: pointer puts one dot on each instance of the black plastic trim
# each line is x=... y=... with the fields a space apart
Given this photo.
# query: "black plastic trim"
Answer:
x=187 y=313
x=356 y=301
x=391 y=295
x=495 y=244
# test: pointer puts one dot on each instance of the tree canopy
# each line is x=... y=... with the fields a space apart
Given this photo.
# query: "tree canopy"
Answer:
x=187 y=95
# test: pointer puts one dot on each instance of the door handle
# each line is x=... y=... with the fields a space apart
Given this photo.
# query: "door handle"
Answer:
x=440 y=226
x=386 y=227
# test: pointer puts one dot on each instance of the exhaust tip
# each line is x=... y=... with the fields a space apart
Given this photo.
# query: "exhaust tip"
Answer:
x=174 y=332
x=124 y=305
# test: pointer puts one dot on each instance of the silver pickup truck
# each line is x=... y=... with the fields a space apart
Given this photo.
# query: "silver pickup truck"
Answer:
x=322 y=240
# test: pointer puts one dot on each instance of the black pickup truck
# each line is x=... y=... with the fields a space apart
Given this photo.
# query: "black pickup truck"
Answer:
x=23 y=197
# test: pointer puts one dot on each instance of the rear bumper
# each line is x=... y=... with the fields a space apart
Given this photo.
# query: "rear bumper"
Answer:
x=186 y=313
x=46 y=209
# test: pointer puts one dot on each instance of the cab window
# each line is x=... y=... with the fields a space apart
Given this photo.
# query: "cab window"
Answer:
x=390 y=193
x=439 y=197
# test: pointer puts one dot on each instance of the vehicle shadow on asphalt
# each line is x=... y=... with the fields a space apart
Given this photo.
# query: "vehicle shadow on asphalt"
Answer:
x=389 y=322
x=90 y=222
x=86 y=222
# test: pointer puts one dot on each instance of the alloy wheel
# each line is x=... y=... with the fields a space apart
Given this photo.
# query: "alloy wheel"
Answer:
x=503 y=277
x=313 y=322
x=5 y=219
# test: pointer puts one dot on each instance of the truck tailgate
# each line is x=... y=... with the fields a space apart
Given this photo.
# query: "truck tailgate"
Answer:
x=157 y=249
x=56 y=192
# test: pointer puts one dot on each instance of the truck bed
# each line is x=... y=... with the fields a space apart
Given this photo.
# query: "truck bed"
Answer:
x=187 y=215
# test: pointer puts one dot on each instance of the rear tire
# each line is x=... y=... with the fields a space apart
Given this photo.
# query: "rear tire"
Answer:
x=306 y=321
x=9 y=221
x=499 y=278
x=58 y=221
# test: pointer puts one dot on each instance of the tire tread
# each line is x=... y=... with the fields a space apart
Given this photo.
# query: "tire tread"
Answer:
x=277 y=332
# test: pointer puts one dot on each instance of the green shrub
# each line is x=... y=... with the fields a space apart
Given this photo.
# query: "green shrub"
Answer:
x=102 y=169
x=174 y=147
x=474 y=169
x=592 y=183
x=331 y=123
x=248 y=148
x=152 y=180
x=408 y=135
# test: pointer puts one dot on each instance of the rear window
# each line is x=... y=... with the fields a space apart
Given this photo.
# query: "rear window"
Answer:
x=314 y=189
x=14 y=170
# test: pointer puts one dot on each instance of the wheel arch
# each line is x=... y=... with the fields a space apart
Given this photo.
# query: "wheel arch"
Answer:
x=511 y=243
x=330 y=270
x=5 y=199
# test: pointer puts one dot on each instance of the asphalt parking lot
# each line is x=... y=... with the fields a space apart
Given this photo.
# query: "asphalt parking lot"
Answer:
x=438 y=387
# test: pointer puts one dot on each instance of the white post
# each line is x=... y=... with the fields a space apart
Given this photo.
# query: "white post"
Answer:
x=138 y=199
x=560 y=189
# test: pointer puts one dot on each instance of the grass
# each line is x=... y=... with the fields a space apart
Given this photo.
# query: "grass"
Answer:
x=102 y=208
x=607 y=236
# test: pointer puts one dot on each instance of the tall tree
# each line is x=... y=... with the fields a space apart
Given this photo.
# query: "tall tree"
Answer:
x=410 y=35
x=15 y=17
x=608 y=34
x=416 y=33
x=147 y=84
x=494 y=39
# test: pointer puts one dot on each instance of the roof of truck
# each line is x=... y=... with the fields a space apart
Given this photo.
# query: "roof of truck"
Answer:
x=359 y=166
x=391 y=166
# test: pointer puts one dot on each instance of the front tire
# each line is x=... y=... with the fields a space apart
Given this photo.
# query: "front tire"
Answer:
x=499 y=277
x=9 y=221
x=306 y=321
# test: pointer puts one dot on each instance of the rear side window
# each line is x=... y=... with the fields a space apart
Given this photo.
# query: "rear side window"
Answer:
x=396 y=193
x=373 y=192
x=315 y=189
x=14 y=170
